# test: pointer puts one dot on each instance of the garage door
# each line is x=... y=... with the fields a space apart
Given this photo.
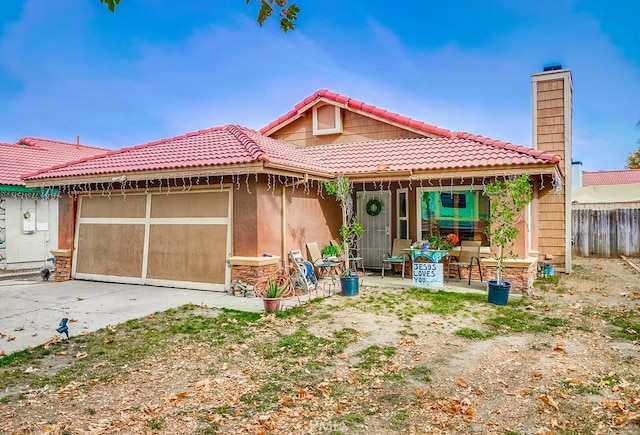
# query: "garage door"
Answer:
x=179 y=239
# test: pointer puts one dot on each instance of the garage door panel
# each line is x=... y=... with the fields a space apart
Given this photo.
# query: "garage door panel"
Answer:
x=181 y=239
x=105 y=249
x=201 y=204
x=116 y=207
x=187 y=253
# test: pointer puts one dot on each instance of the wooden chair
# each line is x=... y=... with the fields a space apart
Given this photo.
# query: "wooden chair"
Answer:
x=397 y=255
x=468 y=256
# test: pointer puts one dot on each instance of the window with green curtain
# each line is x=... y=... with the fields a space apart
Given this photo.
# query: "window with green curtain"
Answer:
x=464 y=213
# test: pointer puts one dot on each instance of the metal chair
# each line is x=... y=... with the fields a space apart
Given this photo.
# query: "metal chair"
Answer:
x=468 y=257
x=397 y=255
x=322 y=265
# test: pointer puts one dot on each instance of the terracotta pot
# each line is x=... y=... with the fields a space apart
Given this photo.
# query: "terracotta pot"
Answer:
x=271 y=304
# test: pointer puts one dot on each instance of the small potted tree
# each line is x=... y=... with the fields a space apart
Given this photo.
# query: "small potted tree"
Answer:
x=350 y=230
x=507 y=199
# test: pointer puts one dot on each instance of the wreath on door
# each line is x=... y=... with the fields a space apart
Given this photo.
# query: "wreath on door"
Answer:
x=374 y=207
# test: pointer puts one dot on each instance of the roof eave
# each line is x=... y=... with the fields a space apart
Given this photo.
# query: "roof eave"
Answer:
x=455 y=173
x=259 y=167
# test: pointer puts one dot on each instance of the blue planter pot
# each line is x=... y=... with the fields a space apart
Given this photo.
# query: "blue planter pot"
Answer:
x=498 y=293
x=349 y=285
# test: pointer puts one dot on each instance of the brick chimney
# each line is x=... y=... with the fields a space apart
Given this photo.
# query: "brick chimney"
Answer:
x=552 y=112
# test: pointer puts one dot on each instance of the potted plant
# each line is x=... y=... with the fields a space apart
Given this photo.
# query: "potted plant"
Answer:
x=443 y=243
x=330 y=251
x=507 y=199
x=350 y=230
x=273 y=296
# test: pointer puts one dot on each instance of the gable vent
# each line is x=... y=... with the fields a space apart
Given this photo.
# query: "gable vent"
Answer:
x=327 y=119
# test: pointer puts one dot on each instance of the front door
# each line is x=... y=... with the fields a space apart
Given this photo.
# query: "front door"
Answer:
x=376 y=238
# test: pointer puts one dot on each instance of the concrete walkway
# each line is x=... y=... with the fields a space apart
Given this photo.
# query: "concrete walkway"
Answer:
x=31 y=310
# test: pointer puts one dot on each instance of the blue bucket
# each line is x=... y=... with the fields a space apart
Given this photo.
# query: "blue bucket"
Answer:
x=548 y=271
x=350 y=285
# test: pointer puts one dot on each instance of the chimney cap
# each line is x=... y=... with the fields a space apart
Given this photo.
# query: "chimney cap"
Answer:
x=555 y=67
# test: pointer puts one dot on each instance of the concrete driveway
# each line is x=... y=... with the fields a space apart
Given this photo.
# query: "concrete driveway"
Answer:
x=31 y=310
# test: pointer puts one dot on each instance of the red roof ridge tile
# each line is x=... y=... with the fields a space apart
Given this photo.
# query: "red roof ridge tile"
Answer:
x=358 y=106
x=249 y=144
x=553 y=158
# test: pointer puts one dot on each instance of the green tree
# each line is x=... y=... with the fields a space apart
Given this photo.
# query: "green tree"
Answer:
x=351 y=229
x=633 y=161
x=288 y=13
x=507 y=199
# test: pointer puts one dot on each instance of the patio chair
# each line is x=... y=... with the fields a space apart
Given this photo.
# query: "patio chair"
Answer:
x=468 y=257
x=323 y=266
x=397 y=255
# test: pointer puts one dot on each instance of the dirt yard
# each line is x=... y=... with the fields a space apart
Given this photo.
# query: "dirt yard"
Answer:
x=562 y=361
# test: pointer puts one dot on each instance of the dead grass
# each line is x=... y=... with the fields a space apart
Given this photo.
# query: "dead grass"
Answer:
x=562 y=361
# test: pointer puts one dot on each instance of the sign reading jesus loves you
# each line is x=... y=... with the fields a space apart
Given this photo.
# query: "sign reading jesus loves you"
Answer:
x=428 y=274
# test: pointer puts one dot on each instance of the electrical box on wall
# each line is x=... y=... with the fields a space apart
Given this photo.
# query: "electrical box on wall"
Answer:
x=29 y=221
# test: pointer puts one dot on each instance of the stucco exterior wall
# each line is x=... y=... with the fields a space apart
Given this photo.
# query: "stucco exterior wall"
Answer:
x=28 y=247
x=310 y=218
x=274 y=222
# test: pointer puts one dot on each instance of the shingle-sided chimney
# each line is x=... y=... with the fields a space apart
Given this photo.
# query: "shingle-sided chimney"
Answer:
x=552 y=99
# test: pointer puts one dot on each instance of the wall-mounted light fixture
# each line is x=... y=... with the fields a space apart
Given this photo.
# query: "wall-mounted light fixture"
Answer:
x=119 y=179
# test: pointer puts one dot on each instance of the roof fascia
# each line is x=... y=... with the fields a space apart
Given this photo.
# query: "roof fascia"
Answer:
x=300 y=113
x=455 y=173
x=259 y=167
x=395 y=123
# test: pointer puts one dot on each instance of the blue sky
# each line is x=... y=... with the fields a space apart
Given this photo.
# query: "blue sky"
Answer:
x=161 y=68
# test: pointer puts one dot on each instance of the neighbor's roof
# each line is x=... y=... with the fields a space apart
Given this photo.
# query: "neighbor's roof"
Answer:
x=490 y=145
x=227 y=145
x=601 y=178
x=32 y=154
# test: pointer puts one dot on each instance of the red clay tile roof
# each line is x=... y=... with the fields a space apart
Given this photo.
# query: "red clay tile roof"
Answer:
x=403 y=121
x=601 y=178
x=418 y=154
x=236 y=145
x=228 y=145
x=32 y=154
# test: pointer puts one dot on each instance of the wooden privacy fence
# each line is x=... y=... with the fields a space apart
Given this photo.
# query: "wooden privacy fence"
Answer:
x=606 y=233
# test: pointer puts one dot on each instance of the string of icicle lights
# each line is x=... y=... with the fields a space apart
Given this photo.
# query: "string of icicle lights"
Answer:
x=184 y=183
